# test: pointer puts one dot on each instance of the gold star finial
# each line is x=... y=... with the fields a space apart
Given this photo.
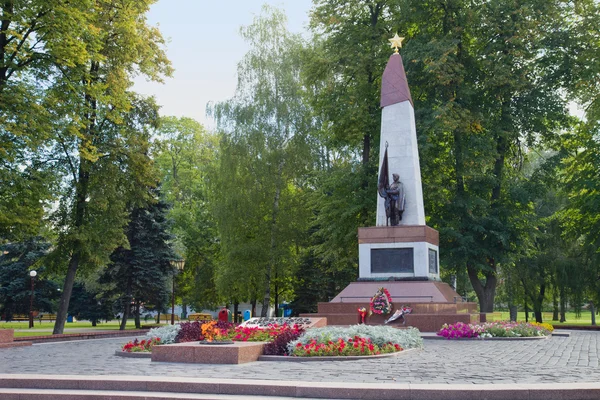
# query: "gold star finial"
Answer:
x=396 y=42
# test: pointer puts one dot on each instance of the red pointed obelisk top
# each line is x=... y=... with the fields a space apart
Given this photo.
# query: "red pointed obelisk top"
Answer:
x=394 y=86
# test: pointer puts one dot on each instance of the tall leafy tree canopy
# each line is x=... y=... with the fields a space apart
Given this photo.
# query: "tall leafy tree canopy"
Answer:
x=262 y=156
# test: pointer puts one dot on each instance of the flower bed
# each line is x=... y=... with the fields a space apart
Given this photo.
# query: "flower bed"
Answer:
x=356 y=346
x=497 y=329
x=355 y=340
x=137 y=346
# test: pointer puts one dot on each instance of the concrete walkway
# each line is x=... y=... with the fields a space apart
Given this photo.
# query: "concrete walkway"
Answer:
x=571 y=359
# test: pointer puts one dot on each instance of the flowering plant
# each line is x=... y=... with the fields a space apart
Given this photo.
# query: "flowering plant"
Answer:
x=379 y=335
x=257 y=334
x=544 y=325
x=362 y=313
x=211 y=333
x=381 y=303
x=139 y=346
x=356 y=346
x=460 y=330
x=492 y=329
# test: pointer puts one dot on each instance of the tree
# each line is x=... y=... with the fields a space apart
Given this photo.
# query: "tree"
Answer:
x=16 y=260
x=104 y=136
x=184 y=154
x=261 y=159
x=87 y=305
x=36 y=38
x=140 y=273
x=483 y=89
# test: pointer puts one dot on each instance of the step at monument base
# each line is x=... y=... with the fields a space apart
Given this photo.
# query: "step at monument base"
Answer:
x=433 y=304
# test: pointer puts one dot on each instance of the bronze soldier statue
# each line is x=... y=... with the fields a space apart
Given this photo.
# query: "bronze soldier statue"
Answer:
x=392 y=193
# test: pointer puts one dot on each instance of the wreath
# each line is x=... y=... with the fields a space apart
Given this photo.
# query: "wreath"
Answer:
x=381 y=303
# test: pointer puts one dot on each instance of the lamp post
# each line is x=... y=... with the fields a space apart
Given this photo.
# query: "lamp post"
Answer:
x=177 y=266
x=32 y=274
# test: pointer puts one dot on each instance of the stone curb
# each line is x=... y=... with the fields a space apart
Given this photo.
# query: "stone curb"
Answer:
x=139 y=354
x=486 y=339
x=81 y=336
x=334 y=358
x=14 y=344
x=327 y=390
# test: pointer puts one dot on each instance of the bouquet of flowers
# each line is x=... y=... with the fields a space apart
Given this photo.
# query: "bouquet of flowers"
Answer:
x=362 y=313
x=400 y=313
x=381 y=303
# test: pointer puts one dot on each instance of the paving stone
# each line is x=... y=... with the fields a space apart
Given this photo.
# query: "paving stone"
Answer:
x=559 y=359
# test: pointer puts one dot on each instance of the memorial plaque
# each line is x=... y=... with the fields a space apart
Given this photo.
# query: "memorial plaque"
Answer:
x=433 y=261
x=392 y=261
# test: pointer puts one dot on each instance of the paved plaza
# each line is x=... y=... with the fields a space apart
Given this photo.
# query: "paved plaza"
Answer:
x=571 y=359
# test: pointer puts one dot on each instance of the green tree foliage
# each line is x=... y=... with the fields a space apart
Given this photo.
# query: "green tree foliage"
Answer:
x=37 y=37
x=141 y=273
x=184 y=154
x=16 y=260
x=102 y=135
x=262 y=160
x=483 y=87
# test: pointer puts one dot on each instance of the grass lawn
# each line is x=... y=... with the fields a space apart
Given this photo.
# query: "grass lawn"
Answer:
x=584 y=319
x=46 y=327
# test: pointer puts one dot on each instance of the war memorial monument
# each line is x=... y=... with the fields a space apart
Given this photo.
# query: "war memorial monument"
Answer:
x=399 y=253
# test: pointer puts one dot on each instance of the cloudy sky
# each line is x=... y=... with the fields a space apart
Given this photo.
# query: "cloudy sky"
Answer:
x=205 y=47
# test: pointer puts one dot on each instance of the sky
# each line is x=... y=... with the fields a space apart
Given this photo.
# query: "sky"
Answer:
x=204 y=46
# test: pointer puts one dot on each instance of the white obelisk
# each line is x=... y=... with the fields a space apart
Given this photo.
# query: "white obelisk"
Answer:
x=409 y=250
x=399 y=132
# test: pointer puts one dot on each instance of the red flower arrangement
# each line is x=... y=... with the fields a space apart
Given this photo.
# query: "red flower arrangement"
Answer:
x=381 y=303
x=357 y=346
x=139 y=346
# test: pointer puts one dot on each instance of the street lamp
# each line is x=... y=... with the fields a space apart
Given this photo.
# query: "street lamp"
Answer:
x=177 y=266
x=32 y=274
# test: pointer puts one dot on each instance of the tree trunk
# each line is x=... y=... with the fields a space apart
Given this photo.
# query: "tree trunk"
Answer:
x=271 y=264
x=183 y=309
x=253 y=304
x=554 y=305
x=276 y=295
x=513 y=312
x=593 y=311
x=526 y=310
x=485 y=292
x=158 y=317
x=94 y=322
x=63 y=305
x=538 y=304
x=138 y=324
x=235 y=312
x=563 y=304
x=125 y=316
x=81 y=194
x=127 y=306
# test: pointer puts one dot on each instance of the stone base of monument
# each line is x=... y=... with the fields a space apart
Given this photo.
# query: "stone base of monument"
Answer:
x=401 y=252
x=433 y=304
x=193 y=352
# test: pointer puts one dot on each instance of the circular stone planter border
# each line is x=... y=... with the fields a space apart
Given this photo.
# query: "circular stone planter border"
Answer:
x=140 y=354
x=477 y=339
x=334 y=358
x=215 y=343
